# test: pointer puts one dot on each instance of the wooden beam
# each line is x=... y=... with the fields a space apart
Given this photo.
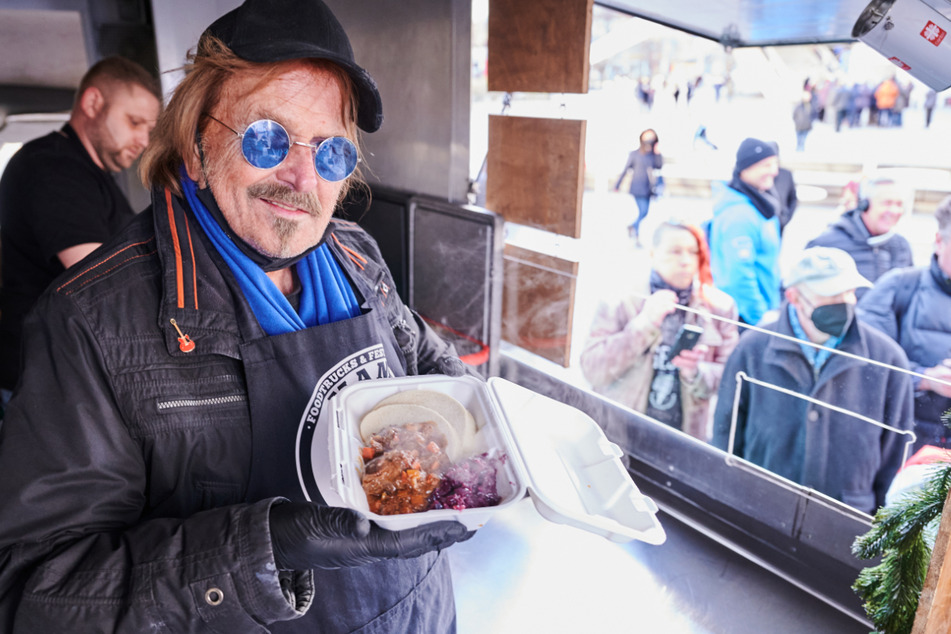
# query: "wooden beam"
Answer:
x=539 y=45
x=535 y=172
x=934 y=606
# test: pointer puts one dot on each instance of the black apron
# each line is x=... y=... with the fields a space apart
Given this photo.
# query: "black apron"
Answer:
x=286 y=374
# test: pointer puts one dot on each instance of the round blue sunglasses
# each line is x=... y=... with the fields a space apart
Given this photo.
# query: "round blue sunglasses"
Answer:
x=265 y=144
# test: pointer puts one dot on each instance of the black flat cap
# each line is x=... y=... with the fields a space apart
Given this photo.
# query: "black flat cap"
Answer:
x=277 y=30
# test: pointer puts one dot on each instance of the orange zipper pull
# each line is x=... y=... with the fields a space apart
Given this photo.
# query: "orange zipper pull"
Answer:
x=185 y=344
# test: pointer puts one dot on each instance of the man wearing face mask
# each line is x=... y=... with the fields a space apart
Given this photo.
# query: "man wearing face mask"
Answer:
x=832 y=452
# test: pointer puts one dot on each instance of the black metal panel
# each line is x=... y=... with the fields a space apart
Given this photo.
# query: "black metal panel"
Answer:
x=803 y=537
x=456 y=272
x=446 y=260
x=31 y=99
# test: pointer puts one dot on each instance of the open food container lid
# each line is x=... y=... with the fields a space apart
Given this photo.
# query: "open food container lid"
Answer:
x=552 y=451
x=573 y=473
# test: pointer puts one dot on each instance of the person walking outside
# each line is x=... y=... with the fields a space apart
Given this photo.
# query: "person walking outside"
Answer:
x=930 y=99
x=642 y=164
x=885 y=96
x=803 y=114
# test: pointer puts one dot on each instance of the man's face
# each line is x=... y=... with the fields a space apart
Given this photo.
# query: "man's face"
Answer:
x=120 y=130
x=942 y=249
x=885 y=208
x=676 y=258
x=284 y=210
x=761 y=174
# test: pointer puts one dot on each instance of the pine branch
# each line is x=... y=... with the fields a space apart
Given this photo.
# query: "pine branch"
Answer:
x=903 y=535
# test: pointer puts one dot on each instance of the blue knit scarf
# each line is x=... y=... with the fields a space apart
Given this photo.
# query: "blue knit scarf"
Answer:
x=326 y=295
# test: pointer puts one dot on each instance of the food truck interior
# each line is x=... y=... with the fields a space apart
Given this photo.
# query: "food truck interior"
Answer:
x=746 y=551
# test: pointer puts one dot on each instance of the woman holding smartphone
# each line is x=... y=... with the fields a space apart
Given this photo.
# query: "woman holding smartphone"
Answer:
x=627 y=356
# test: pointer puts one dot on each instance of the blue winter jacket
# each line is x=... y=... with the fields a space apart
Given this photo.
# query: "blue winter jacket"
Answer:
x=744 y=253
x=846 y=458
x=923 y=331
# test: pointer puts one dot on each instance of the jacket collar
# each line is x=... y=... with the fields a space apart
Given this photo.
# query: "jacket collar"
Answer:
x=202 y=296
x=205 y=304
x=942 y=280
x=852 y=224
x=367 y=275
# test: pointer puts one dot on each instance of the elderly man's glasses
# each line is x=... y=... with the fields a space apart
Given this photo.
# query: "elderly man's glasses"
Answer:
x=265 y=144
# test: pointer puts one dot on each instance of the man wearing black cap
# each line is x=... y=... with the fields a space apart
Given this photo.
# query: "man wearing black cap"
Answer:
x=744 y=233
x=155 y=465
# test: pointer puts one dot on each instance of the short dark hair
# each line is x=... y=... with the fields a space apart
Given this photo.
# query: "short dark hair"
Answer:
x=117 y=70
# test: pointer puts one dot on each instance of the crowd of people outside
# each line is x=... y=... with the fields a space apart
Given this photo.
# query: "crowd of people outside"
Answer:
x=647 y=89
x=854 y=105
x=838 y=102
x=851 y=294
x=859 y=104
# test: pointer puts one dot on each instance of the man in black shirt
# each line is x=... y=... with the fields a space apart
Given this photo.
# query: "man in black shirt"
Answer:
x=58 y=197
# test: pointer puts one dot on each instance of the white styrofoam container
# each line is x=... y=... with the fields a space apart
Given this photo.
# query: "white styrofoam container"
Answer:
x=555 y=453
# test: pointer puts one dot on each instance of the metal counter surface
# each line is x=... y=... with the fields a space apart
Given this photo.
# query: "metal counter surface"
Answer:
x=521 y=573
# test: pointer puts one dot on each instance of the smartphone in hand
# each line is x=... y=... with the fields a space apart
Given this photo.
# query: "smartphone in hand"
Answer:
x=687 y=338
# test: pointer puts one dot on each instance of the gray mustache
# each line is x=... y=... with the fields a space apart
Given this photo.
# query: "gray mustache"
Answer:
x=286 y=196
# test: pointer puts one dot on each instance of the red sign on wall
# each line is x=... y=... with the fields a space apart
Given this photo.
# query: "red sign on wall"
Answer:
x=933 y=33
x=900 y=64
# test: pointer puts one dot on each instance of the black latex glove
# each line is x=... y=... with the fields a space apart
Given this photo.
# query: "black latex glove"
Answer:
x=306 y=536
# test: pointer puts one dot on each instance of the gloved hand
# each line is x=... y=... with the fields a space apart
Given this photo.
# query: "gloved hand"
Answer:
x=306 y=536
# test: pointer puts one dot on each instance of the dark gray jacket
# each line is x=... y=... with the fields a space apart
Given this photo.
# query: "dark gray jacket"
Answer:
x=641 y=165
x=922 y=330
x=119 y=511
x=845 y=458
x=872 y=259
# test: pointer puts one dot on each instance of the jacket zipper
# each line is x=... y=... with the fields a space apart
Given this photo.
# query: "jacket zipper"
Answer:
x=200 y=402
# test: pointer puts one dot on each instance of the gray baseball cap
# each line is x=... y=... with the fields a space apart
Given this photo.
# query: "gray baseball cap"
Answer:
x=826 y=271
